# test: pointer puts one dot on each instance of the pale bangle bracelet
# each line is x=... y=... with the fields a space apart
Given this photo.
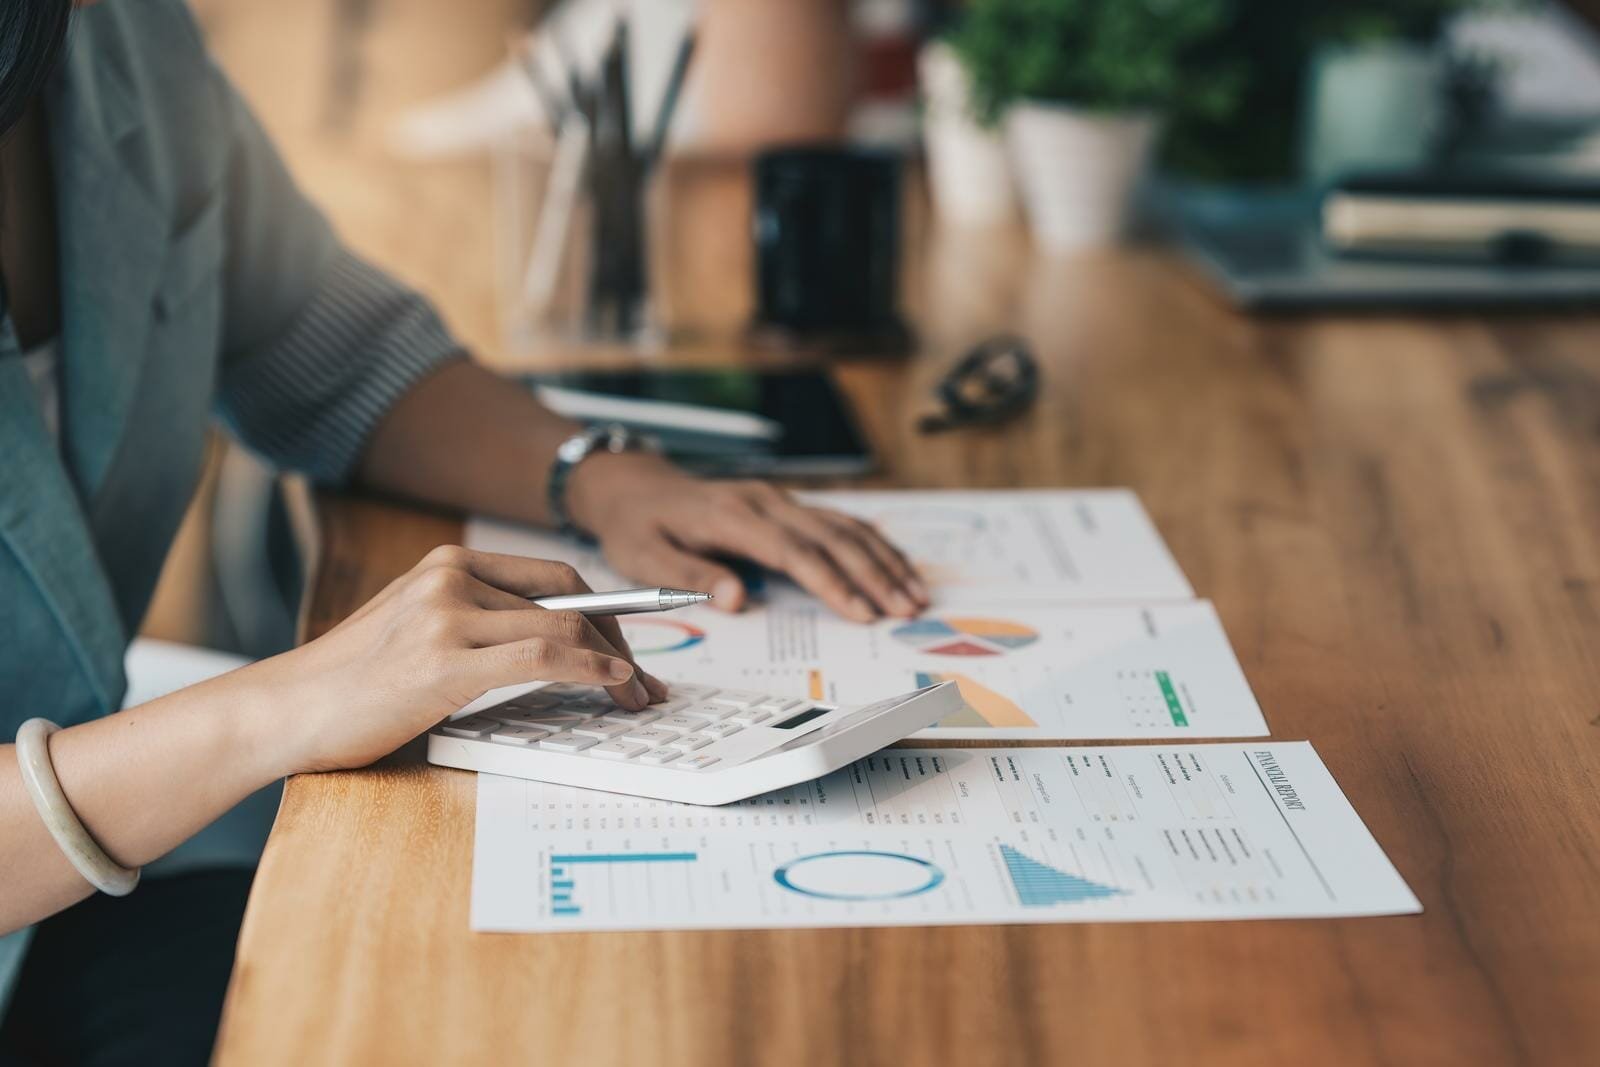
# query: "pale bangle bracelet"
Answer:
x=39 y=778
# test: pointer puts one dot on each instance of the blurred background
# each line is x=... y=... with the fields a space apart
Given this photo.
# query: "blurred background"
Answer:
x=603 y=180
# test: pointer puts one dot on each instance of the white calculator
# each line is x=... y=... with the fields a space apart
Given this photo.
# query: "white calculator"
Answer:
x=703 y=745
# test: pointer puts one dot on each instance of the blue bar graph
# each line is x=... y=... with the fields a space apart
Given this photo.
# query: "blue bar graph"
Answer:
x=1039 y=885
x=625 y=857
x=563 y=885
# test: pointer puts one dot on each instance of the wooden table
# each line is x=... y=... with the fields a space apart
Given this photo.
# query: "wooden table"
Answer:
x=1399 y=521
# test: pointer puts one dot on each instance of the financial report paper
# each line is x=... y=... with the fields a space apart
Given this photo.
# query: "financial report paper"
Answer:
x=1064 y=672
x=1041 y=546
x=914 y=837
x=1059 y=614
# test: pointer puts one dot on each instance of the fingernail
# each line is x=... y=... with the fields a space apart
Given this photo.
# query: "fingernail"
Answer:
x=728 y=594
x=637 y=693
x=918 y=589
x=862 y=610
x=620 y=670
x=658 y=688
x=901 y=604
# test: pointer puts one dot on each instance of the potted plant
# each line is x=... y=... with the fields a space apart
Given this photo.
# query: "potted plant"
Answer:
x=1082 y=87
x=1377 y=85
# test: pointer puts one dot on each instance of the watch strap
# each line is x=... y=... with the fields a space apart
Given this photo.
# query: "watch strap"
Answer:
x=614 y=438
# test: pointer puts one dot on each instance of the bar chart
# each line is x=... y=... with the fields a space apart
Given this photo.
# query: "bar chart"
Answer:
x=567 y=872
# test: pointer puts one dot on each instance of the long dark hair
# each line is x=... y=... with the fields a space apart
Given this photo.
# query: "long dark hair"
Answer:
x=33 y=34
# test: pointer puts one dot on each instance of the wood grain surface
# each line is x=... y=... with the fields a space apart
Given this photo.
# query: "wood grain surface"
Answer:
x=1397 y=517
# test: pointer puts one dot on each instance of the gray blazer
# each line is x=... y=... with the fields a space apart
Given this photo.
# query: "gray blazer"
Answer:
x=196 y=282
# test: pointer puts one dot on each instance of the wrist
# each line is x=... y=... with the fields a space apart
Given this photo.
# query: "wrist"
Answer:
x=265 y=721
x=608 y=480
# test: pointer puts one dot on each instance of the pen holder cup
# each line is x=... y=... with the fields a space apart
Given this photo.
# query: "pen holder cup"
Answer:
x=572 y=243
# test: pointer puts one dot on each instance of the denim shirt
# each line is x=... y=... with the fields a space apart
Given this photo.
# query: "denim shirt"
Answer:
x=195 y=283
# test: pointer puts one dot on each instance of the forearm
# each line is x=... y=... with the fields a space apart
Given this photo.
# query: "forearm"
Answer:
x=142 y=781
x=468 y=439
x=473 y=441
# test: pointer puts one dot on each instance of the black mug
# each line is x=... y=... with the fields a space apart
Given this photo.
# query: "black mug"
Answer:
x=827 y=249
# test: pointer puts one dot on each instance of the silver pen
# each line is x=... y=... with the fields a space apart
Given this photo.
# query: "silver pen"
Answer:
x=624 y=601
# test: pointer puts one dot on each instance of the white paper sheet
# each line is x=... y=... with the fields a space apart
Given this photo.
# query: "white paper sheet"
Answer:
x=1025 y=546
x=1060 y=614
x=1066 y=672
x=913 y=837
x=992 y=547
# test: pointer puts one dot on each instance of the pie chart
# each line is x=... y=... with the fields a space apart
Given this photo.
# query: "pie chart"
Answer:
x=965 y=637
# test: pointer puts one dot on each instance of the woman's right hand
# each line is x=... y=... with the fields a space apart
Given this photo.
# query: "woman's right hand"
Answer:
x=455 y=626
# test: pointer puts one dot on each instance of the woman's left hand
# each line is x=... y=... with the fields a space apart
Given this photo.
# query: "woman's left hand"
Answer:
x=657 y=524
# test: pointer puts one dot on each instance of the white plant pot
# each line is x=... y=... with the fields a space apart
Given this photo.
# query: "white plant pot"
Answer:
x=1078 y=170
x=969 y=172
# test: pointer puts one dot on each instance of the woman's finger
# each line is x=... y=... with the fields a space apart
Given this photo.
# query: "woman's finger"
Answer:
x=489 y=598
x=515 y=574
x=870 y=574
x=886 y=552
x=567 y=629
x=658 y=559
x=541 y=659
x=750 y=533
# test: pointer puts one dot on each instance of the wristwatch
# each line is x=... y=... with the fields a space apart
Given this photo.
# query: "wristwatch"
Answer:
x=610 y=437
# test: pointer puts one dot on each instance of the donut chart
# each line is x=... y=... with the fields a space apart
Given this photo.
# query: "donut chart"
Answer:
x=858 y=875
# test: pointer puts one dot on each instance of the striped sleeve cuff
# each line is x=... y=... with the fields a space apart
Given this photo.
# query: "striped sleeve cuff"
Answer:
x=309 y=399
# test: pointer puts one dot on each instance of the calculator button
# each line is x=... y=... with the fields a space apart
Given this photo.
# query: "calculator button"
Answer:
x=471 y=726
x=601 y=729
x=595 y=704
x=555 y=720
x=706 y=711
x=673 y=704
x=779 y=705
x=681 y=722
x=569 y=742
x=617 y=749
x=690 y=742
x=519 y=735
x=690 y=690
x=518 y=717
x=699 y=763
x=536 y=699
x=633 y=718
x=739 y=698
x=659 y=756
x=750 y=716
x=721 y=729
x=651 y=736
x=567 y=690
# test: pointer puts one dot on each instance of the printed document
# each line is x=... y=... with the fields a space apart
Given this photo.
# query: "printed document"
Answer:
x=1000 y=547
x=1089 y=635
x=1065 y=672
x=948 y=836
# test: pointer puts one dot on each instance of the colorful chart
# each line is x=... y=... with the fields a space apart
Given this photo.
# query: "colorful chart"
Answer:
x=965 y=637
x=984 y=708
x=1040 y=885
x=650 y=636
x=564 y=871
x=857 y=874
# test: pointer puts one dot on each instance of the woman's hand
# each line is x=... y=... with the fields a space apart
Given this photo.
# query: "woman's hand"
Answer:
x=659 y=525
x=453 y=627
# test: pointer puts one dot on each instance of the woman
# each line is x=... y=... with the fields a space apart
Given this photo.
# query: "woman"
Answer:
x=157 y=268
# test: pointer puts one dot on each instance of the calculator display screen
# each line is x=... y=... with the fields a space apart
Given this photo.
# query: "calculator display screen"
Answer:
x=800 y=719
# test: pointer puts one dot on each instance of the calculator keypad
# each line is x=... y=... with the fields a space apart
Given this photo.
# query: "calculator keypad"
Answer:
x=681 y=732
